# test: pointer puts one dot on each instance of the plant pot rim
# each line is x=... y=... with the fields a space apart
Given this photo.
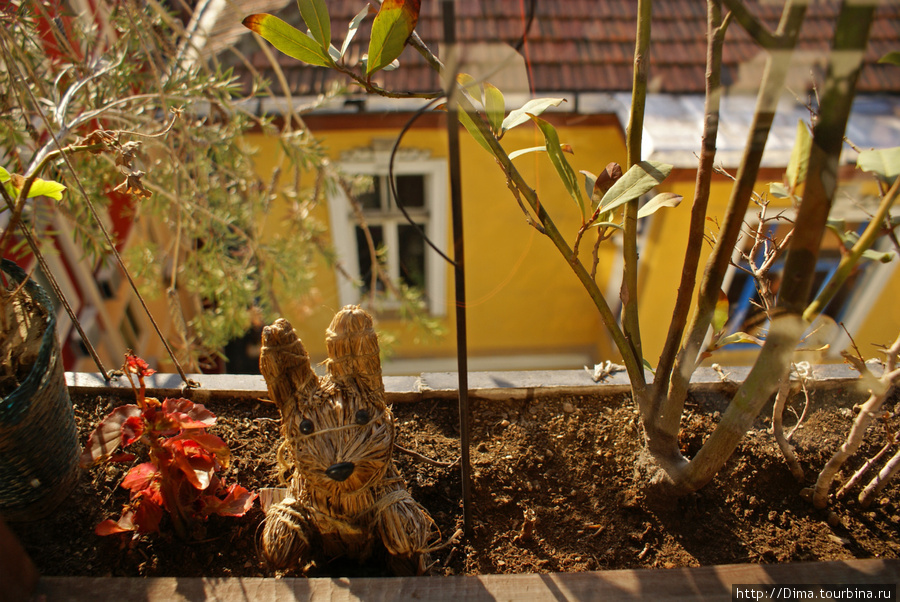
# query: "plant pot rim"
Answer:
x=520 y=385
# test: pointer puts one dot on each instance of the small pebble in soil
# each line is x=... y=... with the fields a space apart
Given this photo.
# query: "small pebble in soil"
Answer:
x=833 y=519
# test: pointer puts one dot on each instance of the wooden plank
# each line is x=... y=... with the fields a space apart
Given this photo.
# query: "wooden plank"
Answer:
x=704 y=583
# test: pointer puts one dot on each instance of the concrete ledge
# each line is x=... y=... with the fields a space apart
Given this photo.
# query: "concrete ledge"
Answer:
x=704 y=583
x=444 y=385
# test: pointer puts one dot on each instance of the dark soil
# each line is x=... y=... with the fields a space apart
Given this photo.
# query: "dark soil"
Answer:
x=552 y=490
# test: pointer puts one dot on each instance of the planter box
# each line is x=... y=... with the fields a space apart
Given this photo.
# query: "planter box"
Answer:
x=709 y=582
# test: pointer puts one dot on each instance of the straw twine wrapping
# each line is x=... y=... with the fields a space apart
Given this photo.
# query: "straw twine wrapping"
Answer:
x=38 y=440
x=338 y=421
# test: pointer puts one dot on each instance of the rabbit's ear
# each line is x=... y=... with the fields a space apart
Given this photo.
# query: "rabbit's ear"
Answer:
x=284 y=363
x=353 y=354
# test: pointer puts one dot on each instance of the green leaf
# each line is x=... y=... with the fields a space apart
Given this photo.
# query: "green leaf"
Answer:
x=778 y=190
x=494 y=106
x=525 y=151
x=354 y=27
x=536 y=106
x=884 y=163
x=589 y=181
x=738 y=337
x=47 y=188
x=649 y=366
x=665 y=199
x=796 y=169
x=534 y=149
x=720 y=314
x=468 y=84
x=315 y=15
x=565 y=171
x=891 y=58
x=334 y=53
x=288 y=39
x=607 y=225
x=469 y=124
x=394 y=23
x=641 y=178
x=876 y=256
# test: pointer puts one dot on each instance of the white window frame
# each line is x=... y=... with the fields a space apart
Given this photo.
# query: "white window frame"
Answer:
x=374 y=161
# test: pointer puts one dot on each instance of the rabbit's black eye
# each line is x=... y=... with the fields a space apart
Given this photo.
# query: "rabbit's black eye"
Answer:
x=362 y=417
x=306 y=426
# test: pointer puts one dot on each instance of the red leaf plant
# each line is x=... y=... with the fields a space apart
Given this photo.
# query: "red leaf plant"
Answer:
x=180 y=477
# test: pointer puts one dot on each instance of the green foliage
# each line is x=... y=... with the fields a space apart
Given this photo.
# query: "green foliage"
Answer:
x=354 y=27
x=315 y=15
x=799 y=163
x=638 y=180
x=202 y=207
x=394 y=23
x=665 y=199
x=494 y=107
x=289 y=40
x=884 y=163
x=531 y=108
x=891 y=58
x=563 y=169
x=15 y=183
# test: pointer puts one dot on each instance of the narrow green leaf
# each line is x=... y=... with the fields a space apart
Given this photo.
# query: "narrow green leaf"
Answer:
x=334 y=53
x=720 y=314
x=837 y=224
x=525 y=151
x=665 y=199
x=354 y=27
x=649 y=366
x=4 y=175
x=589 y=181
x=884 y=163
x=641 y=178
x=891 y=58
x=466 y=120
x=796 y=169
x=607 y=225
x=288 y=39
x=494 y=106
x=535 y=107
x=315 y=15
x=566 y=148
x=468 y=83
x=738 y=337
x=394 y=23
x=778 y=190
x=565 y=171
x=876 y=256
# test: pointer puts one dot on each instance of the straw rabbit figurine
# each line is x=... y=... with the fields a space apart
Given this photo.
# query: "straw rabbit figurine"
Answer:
x=338 y=438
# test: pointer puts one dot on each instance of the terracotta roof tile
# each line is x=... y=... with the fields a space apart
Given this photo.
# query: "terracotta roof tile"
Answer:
x=584 y=45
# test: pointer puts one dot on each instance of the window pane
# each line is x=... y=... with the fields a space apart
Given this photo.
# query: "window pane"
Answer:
x=365 y=258
x=411 y=191
x=372 y=200
x=412 y=255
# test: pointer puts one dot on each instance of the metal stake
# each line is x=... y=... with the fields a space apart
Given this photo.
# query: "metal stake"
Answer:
x=449 y=17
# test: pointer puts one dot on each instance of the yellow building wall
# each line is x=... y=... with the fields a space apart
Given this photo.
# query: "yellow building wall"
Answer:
x=522 y=299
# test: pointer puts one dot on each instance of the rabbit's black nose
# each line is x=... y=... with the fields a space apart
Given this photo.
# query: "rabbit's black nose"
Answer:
x=340 y=472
